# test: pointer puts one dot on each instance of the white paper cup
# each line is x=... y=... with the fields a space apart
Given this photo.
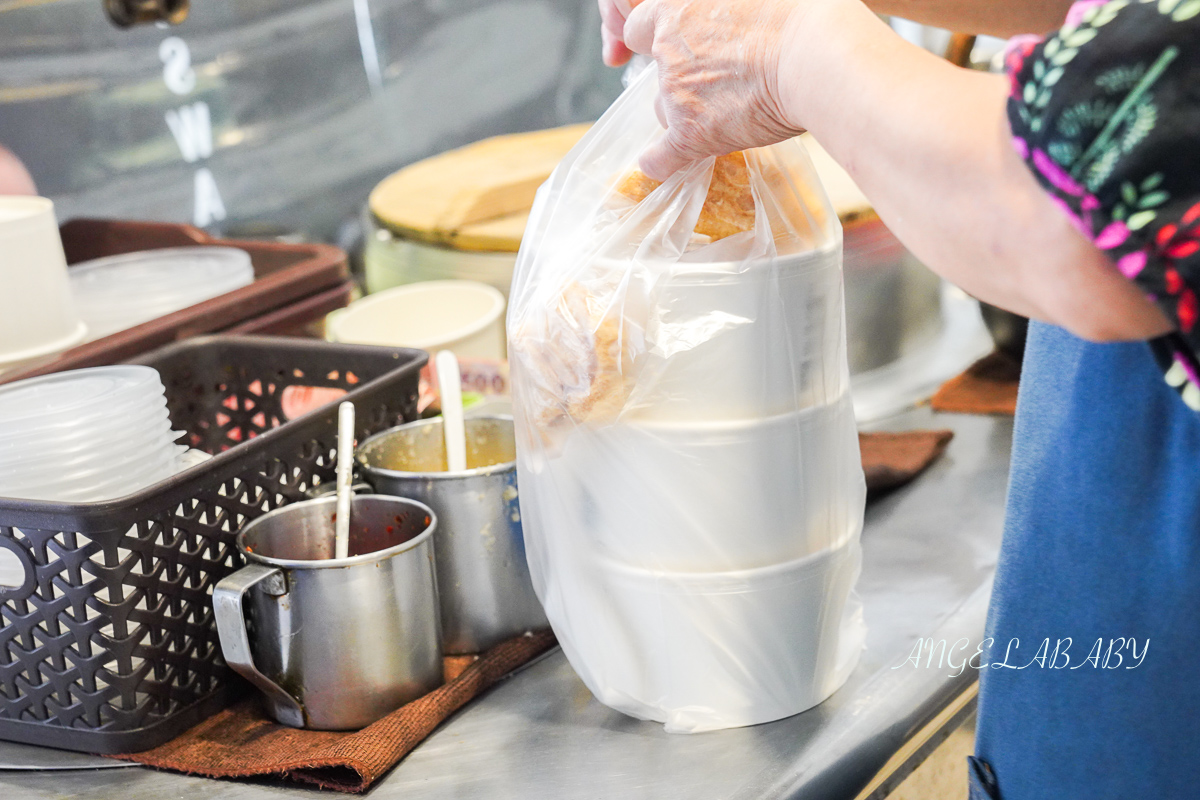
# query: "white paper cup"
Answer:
x=707 y=497
x=707 y=651
x=463 y=316
x=39 y=316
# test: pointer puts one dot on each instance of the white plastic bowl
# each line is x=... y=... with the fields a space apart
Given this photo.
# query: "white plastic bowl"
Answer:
x=707 y=651
x=706 y=497
x=100 y=459
x=90 y=430
x=51 y=462
x=732 y=341
x=463 y=316
x=104 y=484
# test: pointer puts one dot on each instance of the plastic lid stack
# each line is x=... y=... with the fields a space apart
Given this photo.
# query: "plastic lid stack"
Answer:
x=86 y=436
x=119 y=292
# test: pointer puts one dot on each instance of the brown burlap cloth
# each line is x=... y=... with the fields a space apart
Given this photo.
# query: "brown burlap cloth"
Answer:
x=989 y=386
x=891 y=460
x=242 y=741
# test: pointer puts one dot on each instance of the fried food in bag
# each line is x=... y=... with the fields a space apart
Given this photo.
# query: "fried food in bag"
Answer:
x=591 y=343
x=690 y=486
x=583 y=350
x=584 y=354
x=728 y=205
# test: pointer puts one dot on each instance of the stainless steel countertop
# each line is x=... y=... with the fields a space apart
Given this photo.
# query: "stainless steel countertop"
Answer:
x=929 y=555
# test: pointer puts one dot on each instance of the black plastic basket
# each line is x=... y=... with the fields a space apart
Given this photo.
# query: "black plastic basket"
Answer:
x=109 y=645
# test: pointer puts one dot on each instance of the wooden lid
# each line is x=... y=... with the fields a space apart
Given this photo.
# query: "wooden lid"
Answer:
x=476 y=197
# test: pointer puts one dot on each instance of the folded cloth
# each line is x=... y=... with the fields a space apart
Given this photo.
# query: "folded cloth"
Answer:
x=242 y=741
x=893 y=459
x=989 y=386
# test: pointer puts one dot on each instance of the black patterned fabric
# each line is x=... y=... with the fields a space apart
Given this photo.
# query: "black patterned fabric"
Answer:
x=1106 y=112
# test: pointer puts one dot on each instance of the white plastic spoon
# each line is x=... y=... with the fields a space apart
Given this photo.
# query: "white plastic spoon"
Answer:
x=345 y=480
x=453 y=429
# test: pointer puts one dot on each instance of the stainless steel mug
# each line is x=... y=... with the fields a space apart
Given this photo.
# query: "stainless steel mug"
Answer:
x=335 y=644
x=483 y=579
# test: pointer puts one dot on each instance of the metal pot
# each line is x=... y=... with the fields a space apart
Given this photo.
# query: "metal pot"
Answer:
x=1008 y=330
x=483 y=581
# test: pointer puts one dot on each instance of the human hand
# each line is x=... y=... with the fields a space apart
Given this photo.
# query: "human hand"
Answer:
x=14 y=178
x=613 y=14
x=723 y=85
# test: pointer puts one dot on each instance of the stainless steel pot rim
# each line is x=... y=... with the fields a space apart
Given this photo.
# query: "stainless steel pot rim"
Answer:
x=335 y=563
x=506 y=466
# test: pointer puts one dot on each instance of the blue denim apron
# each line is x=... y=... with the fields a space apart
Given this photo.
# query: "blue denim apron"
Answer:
x=1102 y=543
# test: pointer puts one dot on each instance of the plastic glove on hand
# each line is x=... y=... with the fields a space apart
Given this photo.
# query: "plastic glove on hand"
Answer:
x=719 y=72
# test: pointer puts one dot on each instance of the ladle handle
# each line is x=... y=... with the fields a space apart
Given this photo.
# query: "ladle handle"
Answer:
x=227 y=597
x=453 y=427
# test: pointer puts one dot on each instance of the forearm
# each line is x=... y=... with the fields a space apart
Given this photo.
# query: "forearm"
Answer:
x=993 y=17
x=929 y=144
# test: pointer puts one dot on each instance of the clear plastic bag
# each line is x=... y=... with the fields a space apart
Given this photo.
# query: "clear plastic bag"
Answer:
x=690 y=482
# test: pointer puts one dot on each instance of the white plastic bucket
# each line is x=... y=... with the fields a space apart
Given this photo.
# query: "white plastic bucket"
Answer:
x=463 y=316
x=39 y=316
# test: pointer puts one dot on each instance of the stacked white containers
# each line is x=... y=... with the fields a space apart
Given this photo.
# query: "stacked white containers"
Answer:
x=690 y=480
x=38 y=318
x=86 y=435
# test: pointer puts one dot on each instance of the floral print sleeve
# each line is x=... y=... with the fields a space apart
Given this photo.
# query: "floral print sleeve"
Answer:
x=1106 y=112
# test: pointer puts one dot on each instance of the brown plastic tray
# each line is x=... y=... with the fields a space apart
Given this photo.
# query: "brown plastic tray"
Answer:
x=295 y=319
x=295 y=284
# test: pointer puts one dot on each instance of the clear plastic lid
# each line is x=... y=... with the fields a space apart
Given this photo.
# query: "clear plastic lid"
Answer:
x=155 y=272
x=102 y=483
x=145 y=439
x=64 y=392
x=122 y=291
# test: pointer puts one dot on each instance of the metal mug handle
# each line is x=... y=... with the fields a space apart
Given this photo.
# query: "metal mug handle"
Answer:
x=235 y=639
x=325 y=489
